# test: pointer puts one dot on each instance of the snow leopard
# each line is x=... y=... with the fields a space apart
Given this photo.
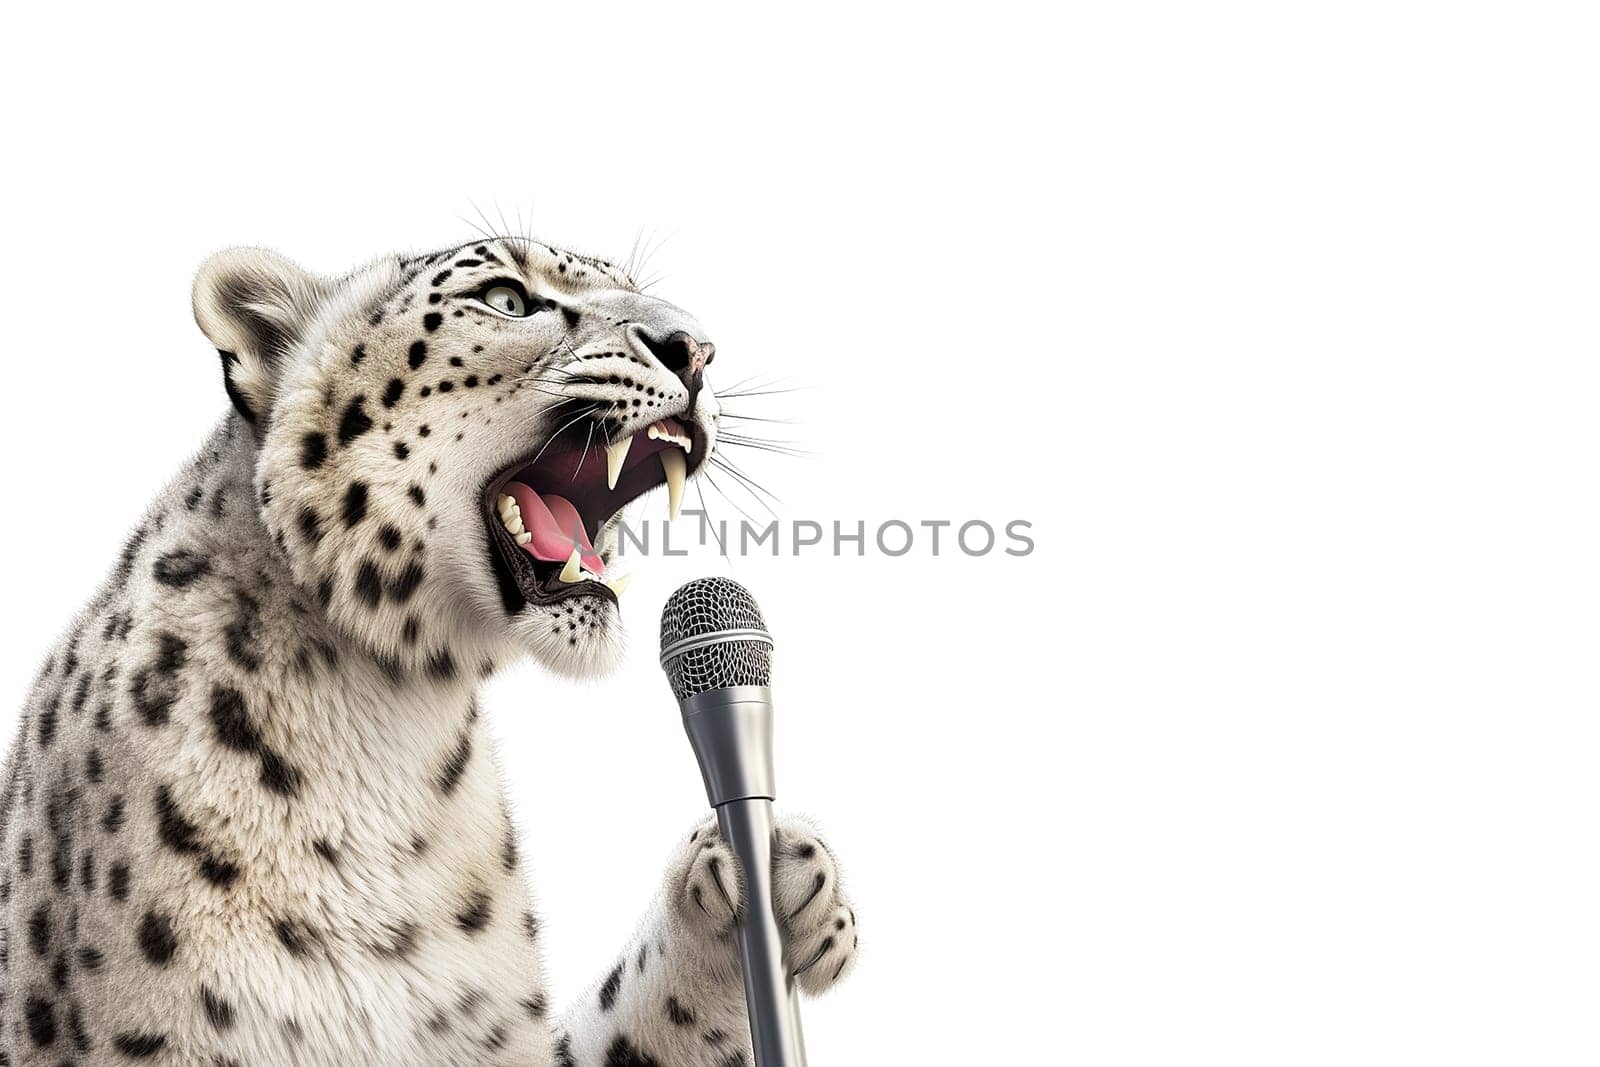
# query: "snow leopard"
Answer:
x=251 y=815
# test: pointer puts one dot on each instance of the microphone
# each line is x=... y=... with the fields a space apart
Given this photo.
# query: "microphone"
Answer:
x=718 y=657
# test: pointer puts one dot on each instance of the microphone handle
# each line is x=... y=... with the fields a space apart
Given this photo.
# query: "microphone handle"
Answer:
x=730 y=731
x=769 y=990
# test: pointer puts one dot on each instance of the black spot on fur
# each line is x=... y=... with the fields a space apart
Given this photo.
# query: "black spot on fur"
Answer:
x=117 y=881
x=355 y=503
x=181 y=568
x=218 y=1011
x=130 y=553
x=355 y=420
x=41 y=1017
x=157 y=940
x=680 y=1015
x=611 y=987
x=442 y=665
x=456 y=765
x=623 y=1053
x=231 y=720
x=39 y=930
x=393 y=392
x=313 y=451
x=417 y=496
x=80 y=694
x=476 y=914
x=311 y=526
x=156 y=687
x=116 y=813
x=401 y=942
x=118 y=626
x=139 y=1046
x=406 y=584
x=369 y=584
x=75 y=1027
x=389 y=537
x=240 y=635
x=418 y=354
x=47 y=721
x=431 y=321
x=295 y=936
x=183 y=836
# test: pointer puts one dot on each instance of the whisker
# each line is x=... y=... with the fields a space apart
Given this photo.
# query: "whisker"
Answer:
x=749 y=439
x=633 y=255
x=552 y=439
x=722 y=547
x=733 y=503
x=563 y=397
x=767 y=392
x=759 y=502
x=777 y=450
x=488 y=226
x=753 y=381
x=587 y=438
x=745 y=479
x=557 y=376
x=475 y=226
x=787 y=448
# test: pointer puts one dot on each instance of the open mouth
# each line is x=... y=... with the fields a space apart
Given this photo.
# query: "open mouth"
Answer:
x=545 y=513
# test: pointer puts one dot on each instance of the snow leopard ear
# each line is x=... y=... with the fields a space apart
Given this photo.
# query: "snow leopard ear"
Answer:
x=253 y=304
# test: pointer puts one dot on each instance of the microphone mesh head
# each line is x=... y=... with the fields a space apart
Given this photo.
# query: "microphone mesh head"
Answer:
x=705 y=606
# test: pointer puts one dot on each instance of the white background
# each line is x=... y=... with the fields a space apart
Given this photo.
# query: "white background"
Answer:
x=1277 y=321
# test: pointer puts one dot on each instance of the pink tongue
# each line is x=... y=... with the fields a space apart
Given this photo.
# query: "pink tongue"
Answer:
x=553 y=522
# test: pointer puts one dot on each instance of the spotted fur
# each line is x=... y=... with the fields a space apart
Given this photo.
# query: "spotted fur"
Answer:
x=251 y=815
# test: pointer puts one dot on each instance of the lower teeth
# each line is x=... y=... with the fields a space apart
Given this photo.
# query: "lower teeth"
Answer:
x=573 y=570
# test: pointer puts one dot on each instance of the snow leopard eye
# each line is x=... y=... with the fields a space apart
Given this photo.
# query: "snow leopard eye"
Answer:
x=506 y=299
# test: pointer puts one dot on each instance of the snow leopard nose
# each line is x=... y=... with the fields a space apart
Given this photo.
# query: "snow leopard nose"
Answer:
x=684 y=356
